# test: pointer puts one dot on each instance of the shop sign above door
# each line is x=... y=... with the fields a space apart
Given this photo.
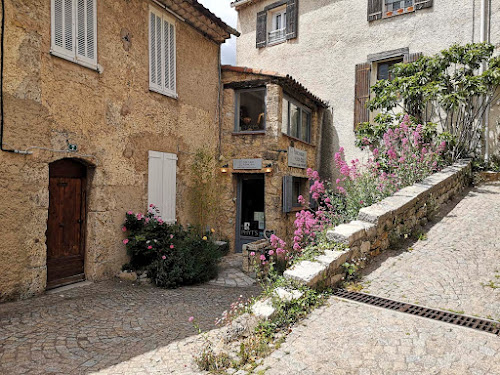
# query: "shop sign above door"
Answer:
x=297 y=158
x=247 y=163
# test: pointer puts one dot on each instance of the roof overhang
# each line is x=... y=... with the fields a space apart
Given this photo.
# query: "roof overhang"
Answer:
x=200 y=18
x=238 y=3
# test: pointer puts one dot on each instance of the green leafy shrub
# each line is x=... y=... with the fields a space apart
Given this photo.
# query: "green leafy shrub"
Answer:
x=171 y=255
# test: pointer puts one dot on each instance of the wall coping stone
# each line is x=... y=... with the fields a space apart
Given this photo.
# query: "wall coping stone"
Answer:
x=306 y=272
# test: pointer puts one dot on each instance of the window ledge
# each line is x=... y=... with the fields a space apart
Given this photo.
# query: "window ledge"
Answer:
x=91 y=66
x=170 y=94
x=257 y=132
x=298 y=140
x=276 y=42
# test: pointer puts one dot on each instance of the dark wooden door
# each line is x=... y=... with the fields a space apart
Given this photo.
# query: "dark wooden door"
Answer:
x=66 y=223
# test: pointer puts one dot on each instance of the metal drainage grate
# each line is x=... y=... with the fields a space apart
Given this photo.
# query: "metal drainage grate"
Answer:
x=460 y=320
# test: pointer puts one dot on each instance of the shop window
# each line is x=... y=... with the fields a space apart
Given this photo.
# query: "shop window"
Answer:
x=296 y=120
x=251 y=110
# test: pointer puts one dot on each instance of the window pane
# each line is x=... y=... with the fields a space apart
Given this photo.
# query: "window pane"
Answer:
x=252 y=109
x=284 y=117
x=294 y=120
x=304 y=130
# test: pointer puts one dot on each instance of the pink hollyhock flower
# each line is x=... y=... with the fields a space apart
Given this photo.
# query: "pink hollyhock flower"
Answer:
x=150 y=247
x=171 y=236
x=125 y=241
x=271 y=252
x=163 y=257
x=130 y=213
x=262 y=257
x=124 y=229
x=191 y=318
x=171 y=246
x=252 y=254
x=327 y=200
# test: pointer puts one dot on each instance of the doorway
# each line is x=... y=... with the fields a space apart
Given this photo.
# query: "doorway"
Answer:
x=250 y=218
x=66 y=224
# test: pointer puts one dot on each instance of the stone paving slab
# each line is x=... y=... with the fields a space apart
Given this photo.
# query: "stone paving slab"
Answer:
x=456 y=268
x=95 y=327
x=350 y=338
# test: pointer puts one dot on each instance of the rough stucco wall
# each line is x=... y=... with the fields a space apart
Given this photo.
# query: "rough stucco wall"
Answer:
x=112 y=116
x=334 y=36
x=263 y=146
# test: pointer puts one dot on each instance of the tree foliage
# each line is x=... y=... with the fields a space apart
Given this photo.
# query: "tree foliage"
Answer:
x=448 y=88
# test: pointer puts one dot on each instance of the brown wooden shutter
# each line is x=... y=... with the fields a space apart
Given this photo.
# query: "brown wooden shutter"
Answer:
x=261 y=29
x=412 y=57
x=374 y=10
x=421 y=4
x=292 y=18
x=362 y=94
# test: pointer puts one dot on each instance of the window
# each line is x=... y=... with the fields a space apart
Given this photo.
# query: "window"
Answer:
x=277 y=23
x=296 y=120
x=74 y=31
x=162 y=60
x=277 y=29
x=250 y=110
x=378 y=9
x=162 y=175
x=384 y=69
x=292 y=188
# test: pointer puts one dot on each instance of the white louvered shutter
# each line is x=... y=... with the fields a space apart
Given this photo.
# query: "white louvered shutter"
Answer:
x=162 y=183
x=63 y=27
x=161 y=53
x=86 y=30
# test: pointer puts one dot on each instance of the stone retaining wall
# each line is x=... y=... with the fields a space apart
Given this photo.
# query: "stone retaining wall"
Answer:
x=404 y=212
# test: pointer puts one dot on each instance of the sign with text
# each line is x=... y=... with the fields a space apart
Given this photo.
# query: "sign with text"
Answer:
x=247 y=163
x=297 y=158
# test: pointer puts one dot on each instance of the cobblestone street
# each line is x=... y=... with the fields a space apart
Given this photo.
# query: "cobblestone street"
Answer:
x=89 y=328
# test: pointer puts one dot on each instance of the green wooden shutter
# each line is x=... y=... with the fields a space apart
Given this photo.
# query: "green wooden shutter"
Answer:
x=292 y=18
x=261 y=29
x=287 y=193
x=374 y=10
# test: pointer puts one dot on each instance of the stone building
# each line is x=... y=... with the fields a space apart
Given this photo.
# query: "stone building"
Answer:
x=104 y=104
x=271 y=134
x=338 y=49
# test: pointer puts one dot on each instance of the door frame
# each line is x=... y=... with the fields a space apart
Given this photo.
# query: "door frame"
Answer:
x=238 y=242
x=71 y=168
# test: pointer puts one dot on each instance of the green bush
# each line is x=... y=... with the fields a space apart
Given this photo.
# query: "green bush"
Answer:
x=171 y=255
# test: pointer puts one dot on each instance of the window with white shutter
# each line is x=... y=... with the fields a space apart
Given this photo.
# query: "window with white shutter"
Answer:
x=74 y=31
x=162 y=183
x=162 y=64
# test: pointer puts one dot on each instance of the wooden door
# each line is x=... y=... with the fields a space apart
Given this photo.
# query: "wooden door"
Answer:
x=66 y=223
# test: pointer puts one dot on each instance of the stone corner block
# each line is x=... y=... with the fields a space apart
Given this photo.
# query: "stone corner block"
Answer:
x=264 y=309
x=376 y=213
x=306 y=272
x=346 y=233
x=288 y=294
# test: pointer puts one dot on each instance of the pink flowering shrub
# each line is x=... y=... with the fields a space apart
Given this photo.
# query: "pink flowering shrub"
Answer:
x=405 y=154
x=171 y=255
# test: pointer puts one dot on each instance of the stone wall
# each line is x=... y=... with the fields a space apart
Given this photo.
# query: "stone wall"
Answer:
x=114 y=119
x=403 y=213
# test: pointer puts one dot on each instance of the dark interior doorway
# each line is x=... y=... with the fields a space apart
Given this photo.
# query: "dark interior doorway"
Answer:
x=66 y=223
x=250 y=223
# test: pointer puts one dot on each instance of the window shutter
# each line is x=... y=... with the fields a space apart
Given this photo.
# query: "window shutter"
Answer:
x=86 y=30
x=261 y=29
x=169 y=187
x=292 y=18
x=287 y=193
x=162 y=183
x=412 y=57
x=374 y=10
x=62 y=27
x=362 y=94
x=169 y=56
x=421 y=4
x=155 y=67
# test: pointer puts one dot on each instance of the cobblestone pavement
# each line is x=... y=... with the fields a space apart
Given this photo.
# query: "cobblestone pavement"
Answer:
x=351 y=338
x=457 y=267
x=89 y=328
x=231 y=274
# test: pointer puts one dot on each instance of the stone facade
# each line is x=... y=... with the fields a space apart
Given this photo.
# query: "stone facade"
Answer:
x=395 y=216
x=111 y=116
x=270 y=145
x=334 y=36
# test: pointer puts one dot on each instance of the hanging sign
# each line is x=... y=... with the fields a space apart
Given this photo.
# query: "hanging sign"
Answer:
x=247 y=163
x=297 y=158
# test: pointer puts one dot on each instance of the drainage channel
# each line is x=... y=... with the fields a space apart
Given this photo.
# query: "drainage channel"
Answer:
x=442 y=316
